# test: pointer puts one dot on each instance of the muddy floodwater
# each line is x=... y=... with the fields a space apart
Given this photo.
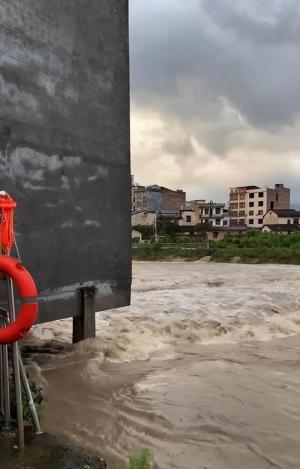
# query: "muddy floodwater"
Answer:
x=203 y=369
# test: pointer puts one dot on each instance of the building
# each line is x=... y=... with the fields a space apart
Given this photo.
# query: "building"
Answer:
x=197 y=206
x=138 y=199
x=188 y=218
x=249 y=204
x=282 y=229
x=136 y=236
x=219 y=233
x=212 y=213
x=157 y=199
x=215 y=214
x=143 y=218
x=282 y=217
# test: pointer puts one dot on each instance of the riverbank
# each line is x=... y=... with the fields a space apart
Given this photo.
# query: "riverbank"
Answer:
x=45 y=452
x=253 y=248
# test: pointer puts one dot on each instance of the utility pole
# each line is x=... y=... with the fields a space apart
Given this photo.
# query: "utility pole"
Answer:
x=155 y=228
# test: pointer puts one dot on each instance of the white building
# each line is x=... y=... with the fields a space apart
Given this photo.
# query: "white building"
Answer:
x=215 y=214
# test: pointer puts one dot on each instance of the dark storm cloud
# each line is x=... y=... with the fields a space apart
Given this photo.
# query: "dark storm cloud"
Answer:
x=188 y=57
x=216 y=93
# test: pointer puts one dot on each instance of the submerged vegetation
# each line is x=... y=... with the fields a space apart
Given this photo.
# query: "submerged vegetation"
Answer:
x=141 y=461
x=254 y=247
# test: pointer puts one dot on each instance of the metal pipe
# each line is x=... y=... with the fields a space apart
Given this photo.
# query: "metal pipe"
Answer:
x=28 y=393
x=5 y=391
x=16 y=367
x=1 y=382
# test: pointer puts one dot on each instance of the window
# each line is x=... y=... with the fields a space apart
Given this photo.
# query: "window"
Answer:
x=260 y=194
x=296 y=221
x=215 y=235
x=251 y=204
x=234 y=206
x=225 y=222
x=251 y=213
x=260 y=212
x=242 y=205
x=272 y=205
x=242 y=221
x=251 y=196
x=218 y=222
x=218 y=211
x=261 y=203
x=207 y=211
x=289 y=222
x=260 y=221
x=242 y=214
x=242 y=197
x=277 y=197
x=188 y=218
x=251 y=221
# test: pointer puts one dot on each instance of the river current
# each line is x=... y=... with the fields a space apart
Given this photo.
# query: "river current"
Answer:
x=203 y=369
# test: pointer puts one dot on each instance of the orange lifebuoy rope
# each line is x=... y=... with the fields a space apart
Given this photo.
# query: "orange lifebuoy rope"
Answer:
x=7 y=206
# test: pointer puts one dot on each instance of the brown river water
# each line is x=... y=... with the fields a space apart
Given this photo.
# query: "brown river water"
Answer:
x=203 y=369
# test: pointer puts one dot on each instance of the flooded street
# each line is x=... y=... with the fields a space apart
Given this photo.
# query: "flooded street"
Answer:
x=203 y=369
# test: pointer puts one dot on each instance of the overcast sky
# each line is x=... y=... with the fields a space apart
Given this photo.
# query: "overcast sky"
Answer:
x=215 y=94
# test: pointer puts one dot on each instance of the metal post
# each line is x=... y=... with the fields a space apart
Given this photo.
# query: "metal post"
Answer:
x=16 y=367
x=84 y=325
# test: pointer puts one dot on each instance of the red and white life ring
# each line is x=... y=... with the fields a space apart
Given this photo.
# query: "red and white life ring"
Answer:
x=28 y=296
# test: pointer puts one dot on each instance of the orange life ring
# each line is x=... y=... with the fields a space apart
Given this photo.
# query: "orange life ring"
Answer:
x=28 y=296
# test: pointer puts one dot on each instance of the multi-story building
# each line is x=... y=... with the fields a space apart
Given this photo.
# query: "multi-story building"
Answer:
x=249 y=204
x=157 y=199
x=215 y=214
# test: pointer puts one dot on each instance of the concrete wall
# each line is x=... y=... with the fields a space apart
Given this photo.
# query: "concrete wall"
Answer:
x=271 y=218
x=280 y=198
x=64 y=145
x=173 y=200
x=143 y=218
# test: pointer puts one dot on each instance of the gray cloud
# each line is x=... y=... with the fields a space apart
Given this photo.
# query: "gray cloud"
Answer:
x=224 y=72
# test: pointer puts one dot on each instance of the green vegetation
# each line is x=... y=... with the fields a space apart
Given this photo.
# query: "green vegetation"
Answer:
x=162 y=251
x=257 y=247
x=141 y=461
x=254 y=247
x=38 y=398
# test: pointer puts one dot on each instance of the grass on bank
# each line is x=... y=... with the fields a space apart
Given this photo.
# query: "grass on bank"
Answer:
x=254 y=247
x=157 y=252
x=257 y=247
